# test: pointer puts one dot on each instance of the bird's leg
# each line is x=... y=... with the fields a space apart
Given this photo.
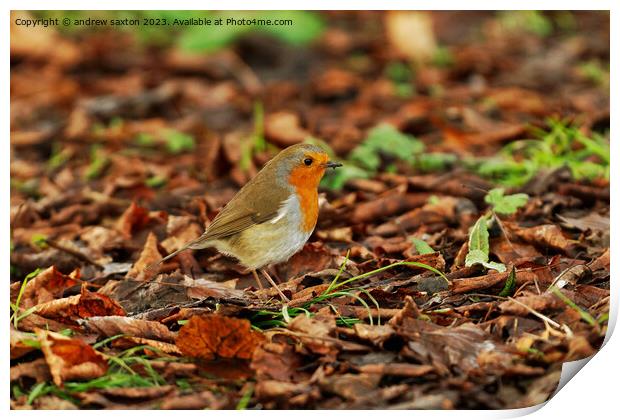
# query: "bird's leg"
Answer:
x=273 y=283
x=260 y=284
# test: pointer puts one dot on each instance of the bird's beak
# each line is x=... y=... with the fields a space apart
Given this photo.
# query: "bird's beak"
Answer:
x=332 y=165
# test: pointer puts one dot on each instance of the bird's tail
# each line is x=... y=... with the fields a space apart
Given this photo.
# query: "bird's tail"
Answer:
x=190 y=245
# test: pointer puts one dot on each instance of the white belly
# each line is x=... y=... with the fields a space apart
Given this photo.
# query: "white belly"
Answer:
x=270 y=242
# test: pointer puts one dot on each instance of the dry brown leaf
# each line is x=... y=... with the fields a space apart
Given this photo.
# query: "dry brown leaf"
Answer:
x=148 y=258
x=37 y=370
x=602 y=262
x=540 y=303
x=376 y=334
x=334 y=83
x=196 y=401
x=277 y=361
x=110 y=326
x=508 y=251
x=180 y=230
x=129 y=342
x=19 y=343
x=142 y=393
x=546 y=236
x=397 y=369
x=490 y=280
x=52 y=402
x=136 y=218
x=316 y=333
x=85 y=305
x=343 y=234
x=270 y=390
x=211 y=336
x=411 y=34
x=199 y=288
x=592 y=221
x=350 y=386
x=46 y=286
x=100 y=239
x=284 y=128
x=409 y=310
x=33 y=321
x=70 y=358
x=386 y=206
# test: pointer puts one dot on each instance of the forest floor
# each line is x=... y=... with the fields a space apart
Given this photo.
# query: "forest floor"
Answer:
x=461 y=254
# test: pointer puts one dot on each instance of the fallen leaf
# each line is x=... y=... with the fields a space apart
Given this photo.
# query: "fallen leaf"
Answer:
x=593 y=222
x=316 y=333
x=195 y=401
x=127 y=342
x=148 y=257
x=200 y=288
x=279 y=361
x=37 y=370
x=46 y=286
x=142 y=393
x=540 y=303
x=386 y=206
x=21 y=343
x=411 y=34
x=70 y=358
x=376 y=334
x=351 y=386
x=180 y=230
x=52 y=402
x=493 y=279
x=269 y=390
x=284 y=128
x=546 y=236
x=211 y=336
x=85 y=305
x=508 y=251
x=397 y=369
x=109 y=326
x=136 y=218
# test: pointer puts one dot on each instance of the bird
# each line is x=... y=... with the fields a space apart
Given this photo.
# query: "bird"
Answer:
x=272 y=216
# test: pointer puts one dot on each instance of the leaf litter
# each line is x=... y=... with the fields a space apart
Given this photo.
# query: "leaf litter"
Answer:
x=461 y=254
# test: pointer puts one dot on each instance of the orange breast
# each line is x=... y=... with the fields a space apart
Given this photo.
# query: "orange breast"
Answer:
x=306 y=181
x=309 y=203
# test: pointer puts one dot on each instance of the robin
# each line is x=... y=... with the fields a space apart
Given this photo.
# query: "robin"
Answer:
x=273 y=215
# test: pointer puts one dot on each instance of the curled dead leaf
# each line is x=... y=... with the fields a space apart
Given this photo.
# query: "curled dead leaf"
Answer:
x=148 y=258
x=85 y=305
x=46 y=286
x=136 y=218
x=70 y=358
x=154 y=346
x=110 y=326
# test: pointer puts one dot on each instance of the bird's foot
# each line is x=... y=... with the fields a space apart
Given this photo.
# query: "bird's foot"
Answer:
x=273 y=283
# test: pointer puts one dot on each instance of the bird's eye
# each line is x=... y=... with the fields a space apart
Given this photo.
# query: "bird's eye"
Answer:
x=308 y=161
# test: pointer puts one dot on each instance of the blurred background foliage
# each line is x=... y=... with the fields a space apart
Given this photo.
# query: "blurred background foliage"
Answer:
x=559 y=143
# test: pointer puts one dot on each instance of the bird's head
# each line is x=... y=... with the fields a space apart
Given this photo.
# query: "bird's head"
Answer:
x=303 y=165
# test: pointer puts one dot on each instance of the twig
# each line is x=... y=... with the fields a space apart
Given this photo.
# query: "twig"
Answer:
x=75 y=253
x=536 y=313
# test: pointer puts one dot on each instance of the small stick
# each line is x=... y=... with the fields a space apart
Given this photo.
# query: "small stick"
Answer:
x=75 y=253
